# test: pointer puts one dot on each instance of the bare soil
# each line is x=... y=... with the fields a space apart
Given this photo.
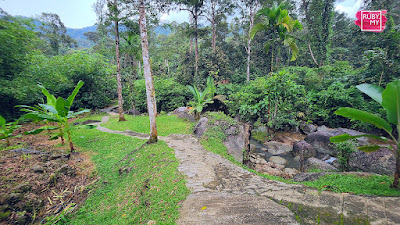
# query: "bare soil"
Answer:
x=40 y=178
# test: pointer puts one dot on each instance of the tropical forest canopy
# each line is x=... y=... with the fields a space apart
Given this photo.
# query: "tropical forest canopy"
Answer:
x=277 y=63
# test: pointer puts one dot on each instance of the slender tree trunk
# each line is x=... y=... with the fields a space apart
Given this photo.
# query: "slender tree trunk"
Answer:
x=151 y=96
x=197 y=45
x=132 y=87
x=312 y=55
x=214 y=31
x=119 y=84
x=191 y=45
x=272 y=58
x=253 y=8
x=214 y=26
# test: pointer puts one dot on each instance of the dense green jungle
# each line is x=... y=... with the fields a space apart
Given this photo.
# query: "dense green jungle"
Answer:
x=275 y=66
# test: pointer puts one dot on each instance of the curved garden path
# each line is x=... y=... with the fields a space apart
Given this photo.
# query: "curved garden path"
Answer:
x=224 y=193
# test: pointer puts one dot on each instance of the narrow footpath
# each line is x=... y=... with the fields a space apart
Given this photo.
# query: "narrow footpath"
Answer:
x=224 y=193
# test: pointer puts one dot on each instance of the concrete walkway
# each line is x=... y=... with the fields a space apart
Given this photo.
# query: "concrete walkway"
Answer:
x=223 y=193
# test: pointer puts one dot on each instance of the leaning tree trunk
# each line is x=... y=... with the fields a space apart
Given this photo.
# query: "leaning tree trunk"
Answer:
x=119 y=84
x=151 y=96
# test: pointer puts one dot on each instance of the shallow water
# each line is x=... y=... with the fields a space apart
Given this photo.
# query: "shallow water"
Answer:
x=289 y=157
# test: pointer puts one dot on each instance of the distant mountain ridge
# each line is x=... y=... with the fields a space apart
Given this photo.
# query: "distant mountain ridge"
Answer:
x=83 y=42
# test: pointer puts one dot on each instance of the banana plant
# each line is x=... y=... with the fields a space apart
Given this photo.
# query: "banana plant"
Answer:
x=201 y=98
x=389 y=98
x=7 y=129
x=55 y=110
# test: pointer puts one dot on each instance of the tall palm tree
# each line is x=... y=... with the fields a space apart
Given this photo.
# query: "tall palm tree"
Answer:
x=278 y=25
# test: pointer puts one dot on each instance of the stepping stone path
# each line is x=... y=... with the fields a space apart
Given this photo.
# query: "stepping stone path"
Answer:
x=224 y=193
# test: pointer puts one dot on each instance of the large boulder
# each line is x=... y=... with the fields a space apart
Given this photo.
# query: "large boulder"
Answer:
x=320 y=141
x=319 y=164
x=237 y=141
x=183 y=112
x=278 y=148
x=307 y=128
x=380 y=162
x=278 y=160
x=201 y=127
x=303 y=148
x=237 y=135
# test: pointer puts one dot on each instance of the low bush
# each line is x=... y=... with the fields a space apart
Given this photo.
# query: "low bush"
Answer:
x=169 y=95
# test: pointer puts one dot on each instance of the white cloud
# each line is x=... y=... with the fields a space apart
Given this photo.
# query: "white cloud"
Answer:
x=350 y=7
x=177 y=16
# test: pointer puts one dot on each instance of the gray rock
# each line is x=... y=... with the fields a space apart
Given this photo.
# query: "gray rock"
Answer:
x=307 y=128
x=201 y=127
x=237 y=143
x=320 y=141
x=37 y=169
x=231 y=130
x=66 y=170
x=323 y=128
x=277 y=148
x=303 y=148
x=133 y=112
x=183 y=112
x=319 y=164
x=290 y=171
x=380 y=162
x=278 y=160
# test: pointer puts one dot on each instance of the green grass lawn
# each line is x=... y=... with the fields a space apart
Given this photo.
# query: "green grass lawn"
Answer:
x=165 y=124
x=150 y=191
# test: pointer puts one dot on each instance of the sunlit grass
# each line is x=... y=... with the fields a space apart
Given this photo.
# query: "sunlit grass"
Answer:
x=166 y=124
x=150 y=190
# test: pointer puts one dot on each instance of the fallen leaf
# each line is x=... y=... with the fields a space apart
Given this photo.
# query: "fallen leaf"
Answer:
x=204 y=207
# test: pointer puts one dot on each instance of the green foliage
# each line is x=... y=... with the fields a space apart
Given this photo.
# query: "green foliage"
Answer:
x=7 y=129
x=390 y=100
x=275 y=100
x=344 y=151
x=202 y=98
x=169 y=95
x=150 y=191
x=55 y=110
x=278 y=25
x=59 y=74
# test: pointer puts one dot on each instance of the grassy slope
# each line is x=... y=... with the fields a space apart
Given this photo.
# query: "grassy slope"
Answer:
x=165 y=125
x=374 y=185
x=150 y=191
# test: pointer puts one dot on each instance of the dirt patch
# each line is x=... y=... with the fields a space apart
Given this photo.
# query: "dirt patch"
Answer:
x=40 y=178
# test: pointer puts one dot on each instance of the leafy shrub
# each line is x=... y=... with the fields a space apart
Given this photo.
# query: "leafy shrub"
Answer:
x=345 y=149
x=275 y=100
x=169 y=95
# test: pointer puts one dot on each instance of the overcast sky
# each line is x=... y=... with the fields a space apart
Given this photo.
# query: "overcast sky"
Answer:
x=79 y=13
